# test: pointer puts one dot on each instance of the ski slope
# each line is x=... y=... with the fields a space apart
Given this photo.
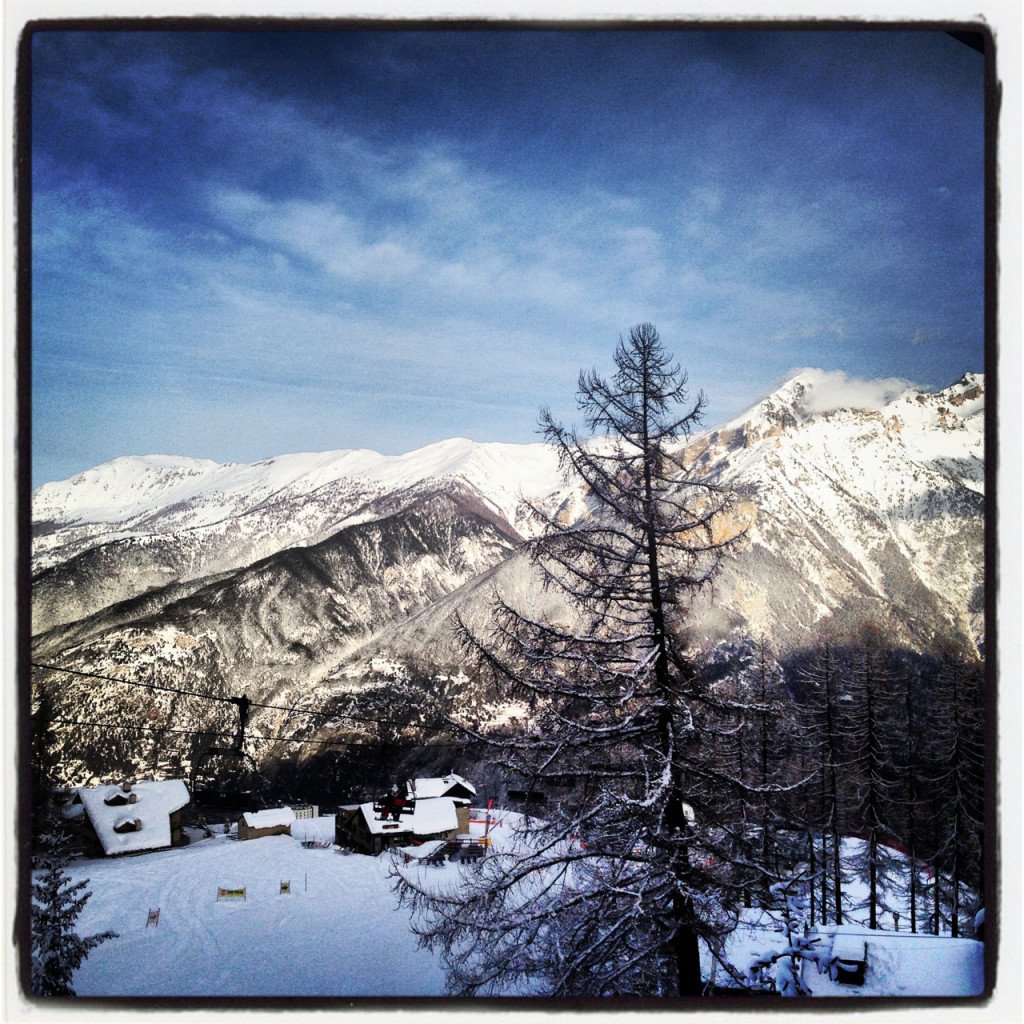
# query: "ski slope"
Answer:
x=340 y=931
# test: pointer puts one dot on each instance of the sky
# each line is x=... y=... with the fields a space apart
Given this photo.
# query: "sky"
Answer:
x=252 y=243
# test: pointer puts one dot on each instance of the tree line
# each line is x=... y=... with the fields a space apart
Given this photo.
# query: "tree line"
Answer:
x=858 y=739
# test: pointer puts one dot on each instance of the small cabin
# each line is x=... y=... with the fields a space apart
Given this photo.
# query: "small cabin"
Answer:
x=135 y=817
x=372 y=829
x=258 y=824
x=451 y=786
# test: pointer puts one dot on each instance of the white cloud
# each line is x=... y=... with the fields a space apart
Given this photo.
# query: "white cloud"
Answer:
x=833 y=389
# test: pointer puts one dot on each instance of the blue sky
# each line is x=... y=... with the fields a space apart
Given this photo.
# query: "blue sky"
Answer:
x=246 y=243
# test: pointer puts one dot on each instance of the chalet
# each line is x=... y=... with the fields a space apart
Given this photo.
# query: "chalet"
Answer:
x=451 y=786
x=274 y=822
x=135 y=817
x=368 y=830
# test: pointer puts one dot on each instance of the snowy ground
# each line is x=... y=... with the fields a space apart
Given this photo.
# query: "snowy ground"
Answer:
x=340 y=931
x=899 y=963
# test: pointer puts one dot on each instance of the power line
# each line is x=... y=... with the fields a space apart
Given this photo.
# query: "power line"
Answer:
x=190 y=693
x=130 y=682
x=209 y=732
x=213 y=697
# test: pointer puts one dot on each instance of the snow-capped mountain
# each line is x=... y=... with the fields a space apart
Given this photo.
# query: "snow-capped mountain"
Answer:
x=136 y=524
x=858 y=513
x=307 y=578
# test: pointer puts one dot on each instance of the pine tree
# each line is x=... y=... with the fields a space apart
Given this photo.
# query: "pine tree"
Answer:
x=783 y=969
x=57 y=902
x=904 y=740
x=755 y=730
x=770 y=719
x=612 y=890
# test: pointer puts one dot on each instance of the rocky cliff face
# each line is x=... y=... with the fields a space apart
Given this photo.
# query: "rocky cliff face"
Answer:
x=311 y=579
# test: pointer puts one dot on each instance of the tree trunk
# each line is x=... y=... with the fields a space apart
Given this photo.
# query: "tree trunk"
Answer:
x=687 y=949
x=837 y=876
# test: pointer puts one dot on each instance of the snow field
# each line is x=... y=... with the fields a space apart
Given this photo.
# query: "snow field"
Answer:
x=339 y=933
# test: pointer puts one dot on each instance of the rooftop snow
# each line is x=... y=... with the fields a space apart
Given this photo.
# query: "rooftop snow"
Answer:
x=428 y=817
x=431 y=816
x=426 y=788
x=269 y=818
x=378 y=827
x=155 y=803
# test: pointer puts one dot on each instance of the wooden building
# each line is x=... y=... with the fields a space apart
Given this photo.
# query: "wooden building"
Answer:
x=135 y=817
x=363 y=828
x=450 y=786
x=258 y=824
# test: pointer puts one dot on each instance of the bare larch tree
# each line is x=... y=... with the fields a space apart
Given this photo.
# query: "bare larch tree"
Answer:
x=610 y=892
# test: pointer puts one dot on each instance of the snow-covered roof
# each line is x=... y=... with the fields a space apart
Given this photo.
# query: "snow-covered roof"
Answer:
x=269 y=818
x=154 y=804
x=378 y=827
x=423 y=789
x=428 y=817
x=434 y=816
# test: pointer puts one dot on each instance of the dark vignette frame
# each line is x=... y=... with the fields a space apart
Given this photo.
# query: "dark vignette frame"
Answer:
x=976 y=35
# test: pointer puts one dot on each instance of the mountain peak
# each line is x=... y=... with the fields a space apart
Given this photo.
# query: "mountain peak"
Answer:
x=811 y=392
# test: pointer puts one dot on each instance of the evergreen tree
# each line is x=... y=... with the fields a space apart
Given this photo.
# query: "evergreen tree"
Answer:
x=770 y=721
x=783 y=969
x=57 y=949
x=907 y=813
x=611 y=891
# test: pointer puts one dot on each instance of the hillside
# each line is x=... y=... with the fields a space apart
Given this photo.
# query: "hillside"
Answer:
x=311 y=579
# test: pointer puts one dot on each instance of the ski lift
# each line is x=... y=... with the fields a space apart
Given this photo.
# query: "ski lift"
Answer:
x=221 y=771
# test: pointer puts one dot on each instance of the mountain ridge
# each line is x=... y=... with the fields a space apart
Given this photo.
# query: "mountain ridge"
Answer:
x=307 y=596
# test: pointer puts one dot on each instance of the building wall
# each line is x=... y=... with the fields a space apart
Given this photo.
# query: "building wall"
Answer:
x=247 y=832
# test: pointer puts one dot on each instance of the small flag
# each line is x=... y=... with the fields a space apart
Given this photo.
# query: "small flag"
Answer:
x=154 y=918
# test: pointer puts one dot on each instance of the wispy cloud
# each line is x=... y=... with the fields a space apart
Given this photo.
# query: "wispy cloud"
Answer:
x=401 y=217
x=830 y=390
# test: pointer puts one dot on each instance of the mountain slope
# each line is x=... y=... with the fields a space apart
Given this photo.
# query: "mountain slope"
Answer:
x=136 y=524
x=317 y=579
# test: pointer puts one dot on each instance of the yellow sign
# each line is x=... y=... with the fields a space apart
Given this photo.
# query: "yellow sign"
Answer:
x=231 y=894
x=286 y=888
